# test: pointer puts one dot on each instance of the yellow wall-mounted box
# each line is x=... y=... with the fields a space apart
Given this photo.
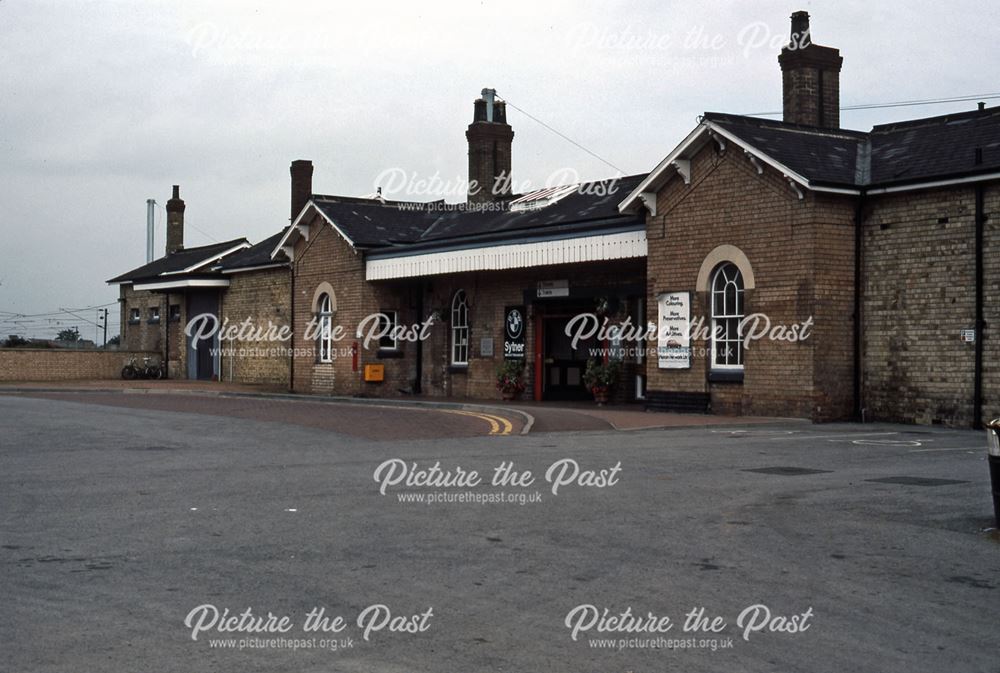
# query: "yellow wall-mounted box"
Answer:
x=375 y=373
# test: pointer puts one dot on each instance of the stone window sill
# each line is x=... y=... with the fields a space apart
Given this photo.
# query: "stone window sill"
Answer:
x=725 y=376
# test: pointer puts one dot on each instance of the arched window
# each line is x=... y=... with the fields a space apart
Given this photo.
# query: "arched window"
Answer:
x=727 y=313
x=324 y=334
x=459 y=329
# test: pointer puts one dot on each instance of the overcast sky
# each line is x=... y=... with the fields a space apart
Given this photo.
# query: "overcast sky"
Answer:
x=105 y=104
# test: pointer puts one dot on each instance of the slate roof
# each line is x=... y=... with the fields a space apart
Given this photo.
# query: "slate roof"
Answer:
x=912 y=151
x=937 y=147
x=177 y=261
x=821 y=155
x=374 y=224
x=258 y=254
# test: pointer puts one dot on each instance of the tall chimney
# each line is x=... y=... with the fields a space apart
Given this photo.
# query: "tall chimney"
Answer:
x=490 y=138
x=810 y=78
x=302 y=181
x=175 y=222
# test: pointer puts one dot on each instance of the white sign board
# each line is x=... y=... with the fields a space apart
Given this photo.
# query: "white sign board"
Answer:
x=673 y=346
x=553 y=288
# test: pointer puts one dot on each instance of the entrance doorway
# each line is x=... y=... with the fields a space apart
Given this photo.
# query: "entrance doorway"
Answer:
x=562 y=365
x=202 y=362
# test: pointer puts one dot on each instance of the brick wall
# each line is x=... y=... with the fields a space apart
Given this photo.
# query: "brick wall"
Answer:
x=801 y=253
x=489 y=293
x=29 y=364
x=264 y=296
x=327 y=258
x=144 y=335
x=919 y=293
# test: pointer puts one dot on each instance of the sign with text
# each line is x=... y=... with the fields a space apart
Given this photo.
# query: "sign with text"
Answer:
x=673 y=347
x=513 y=333
x=552 y=288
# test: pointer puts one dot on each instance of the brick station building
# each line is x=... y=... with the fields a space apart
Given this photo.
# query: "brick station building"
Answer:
x=880 y=242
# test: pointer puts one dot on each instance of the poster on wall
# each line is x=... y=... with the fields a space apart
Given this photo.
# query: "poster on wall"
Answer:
x=673 y=346
x=513 y=333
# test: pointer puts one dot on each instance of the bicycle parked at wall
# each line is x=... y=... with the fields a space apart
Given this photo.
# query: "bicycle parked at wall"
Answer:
x=147 y=370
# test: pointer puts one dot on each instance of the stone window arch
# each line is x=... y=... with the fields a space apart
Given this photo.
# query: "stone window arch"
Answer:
x=721 y=254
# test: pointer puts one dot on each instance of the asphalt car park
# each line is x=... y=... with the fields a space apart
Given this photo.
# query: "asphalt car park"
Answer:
x=779 y=546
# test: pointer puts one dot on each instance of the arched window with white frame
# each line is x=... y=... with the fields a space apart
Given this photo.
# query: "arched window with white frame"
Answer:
x=727 y=314
x=459 y=329
x=325 y=331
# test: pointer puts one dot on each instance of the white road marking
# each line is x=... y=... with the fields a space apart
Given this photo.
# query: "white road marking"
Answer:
x=970 y=449
x=887 y=442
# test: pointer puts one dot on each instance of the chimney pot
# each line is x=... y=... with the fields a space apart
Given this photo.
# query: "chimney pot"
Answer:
x=982 y=105
x=800 y=30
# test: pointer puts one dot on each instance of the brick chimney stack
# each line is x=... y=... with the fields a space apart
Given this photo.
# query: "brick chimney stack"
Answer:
x=490 y=138
x=810 y=78
x=302 y=180
x=175 y=222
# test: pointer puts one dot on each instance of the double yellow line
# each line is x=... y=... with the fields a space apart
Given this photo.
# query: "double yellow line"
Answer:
x=495 y=421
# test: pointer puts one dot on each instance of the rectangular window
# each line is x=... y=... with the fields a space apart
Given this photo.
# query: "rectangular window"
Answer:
x=134 y=316
x=154 y=314
x=175 y=313
x=387 y=323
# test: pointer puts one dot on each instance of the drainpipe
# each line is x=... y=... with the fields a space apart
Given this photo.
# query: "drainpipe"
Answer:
x=858 y=241
x=417 y=385
x=977 y=396
x=165 y=320
x=291 y=321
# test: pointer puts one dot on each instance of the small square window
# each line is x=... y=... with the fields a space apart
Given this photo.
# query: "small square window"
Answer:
x=388 y=321
x=134 y=316
x=175 y=313
x=154 y=314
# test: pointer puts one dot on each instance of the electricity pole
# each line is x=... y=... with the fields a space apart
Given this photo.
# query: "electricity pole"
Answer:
x=102 y=315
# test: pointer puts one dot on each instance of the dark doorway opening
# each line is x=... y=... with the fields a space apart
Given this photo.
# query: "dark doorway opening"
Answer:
x=563 y=365
x=202 y=354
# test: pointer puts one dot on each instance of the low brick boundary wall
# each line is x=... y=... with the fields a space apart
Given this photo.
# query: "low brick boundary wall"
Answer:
x=55 y=364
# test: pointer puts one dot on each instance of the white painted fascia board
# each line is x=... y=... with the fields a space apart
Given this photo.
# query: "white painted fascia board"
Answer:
x=179 y=284
x=777 y=165
x=294 y=229
x=626 y=245
x=651 y=182
x=242 y=246
x=935 y=183
x=259 y=267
